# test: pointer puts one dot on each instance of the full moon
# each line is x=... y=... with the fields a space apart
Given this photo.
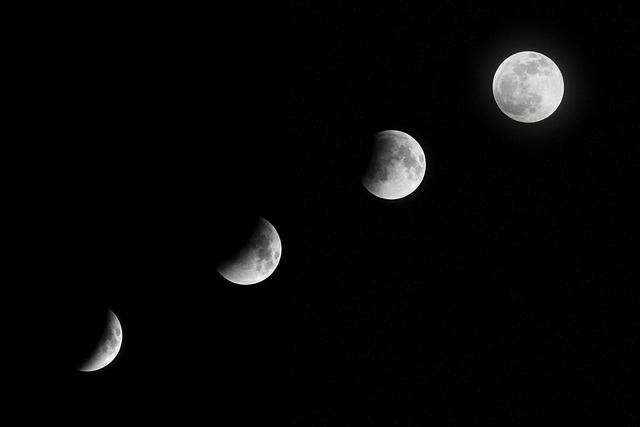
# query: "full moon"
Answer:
x=528 y=87
x=397 y=165
x=257 y=259
x=107 y=348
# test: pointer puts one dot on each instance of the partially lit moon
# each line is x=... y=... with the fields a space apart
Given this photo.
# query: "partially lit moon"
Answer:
x=257 y=259
x=528 y=87
x=107 y=348
x=397 y=165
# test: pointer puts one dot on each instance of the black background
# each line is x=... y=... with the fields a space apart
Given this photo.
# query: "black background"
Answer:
x=502 y=290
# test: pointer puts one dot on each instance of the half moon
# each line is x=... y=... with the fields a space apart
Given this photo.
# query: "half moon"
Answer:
x=257 y=259
x=107 y=348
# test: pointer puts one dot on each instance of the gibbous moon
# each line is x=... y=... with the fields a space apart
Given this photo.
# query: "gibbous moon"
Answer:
x=528 y=87
x=107 y=348
x=257 y=259
x=397 y=165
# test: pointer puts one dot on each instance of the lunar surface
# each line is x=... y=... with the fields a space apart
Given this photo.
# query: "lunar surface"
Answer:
x=528 y=87
x=397 y=165
x=257 y=259
x=107 y=348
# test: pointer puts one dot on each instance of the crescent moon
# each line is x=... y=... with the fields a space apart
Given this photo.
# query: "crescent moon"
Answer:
x=107 y=348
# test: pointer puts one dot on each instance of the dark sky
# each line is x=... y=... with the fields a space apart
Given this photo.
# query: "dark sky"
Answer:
x=504 y=289
x=501 y=289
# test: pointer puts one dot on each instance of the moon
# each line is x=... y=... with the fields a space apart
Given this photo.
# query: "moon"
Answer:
x=107 y=348
x=528 y=87
x=257 y=259
x=397 y=165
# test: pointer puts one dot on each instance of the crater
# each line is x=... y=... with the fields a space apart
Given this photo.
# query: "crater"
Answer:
x=508 y=85
x=511 y=106
x=419 y=170
x=529 y=68
x=409 y=159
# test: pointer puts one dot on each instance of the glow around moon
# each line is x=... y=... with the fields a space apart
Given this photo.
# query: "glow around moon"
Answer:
x=528 y=87
x=258 y=258
x=397 y=165
x=107 y=348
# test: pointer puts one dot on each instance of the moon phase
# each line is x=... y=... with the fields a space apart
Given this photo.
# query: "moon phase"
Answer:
x=528 y=87
x=257 y=259
x=107 y=348
x=397 y=165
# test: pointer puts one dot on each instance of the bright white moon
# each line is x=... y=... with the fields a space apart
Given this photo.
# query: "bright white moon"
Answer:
x=397 y=165
x=108 y=347
x=528 y=87
x=257 y=260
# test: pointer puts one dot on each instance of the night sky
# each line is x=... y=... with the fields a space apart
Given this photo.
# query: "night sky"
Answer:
x=503 y=290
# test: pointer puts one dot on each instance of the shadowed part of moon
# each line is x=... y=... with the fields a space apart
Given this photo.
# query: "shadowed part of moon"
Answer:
x=381 y=159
